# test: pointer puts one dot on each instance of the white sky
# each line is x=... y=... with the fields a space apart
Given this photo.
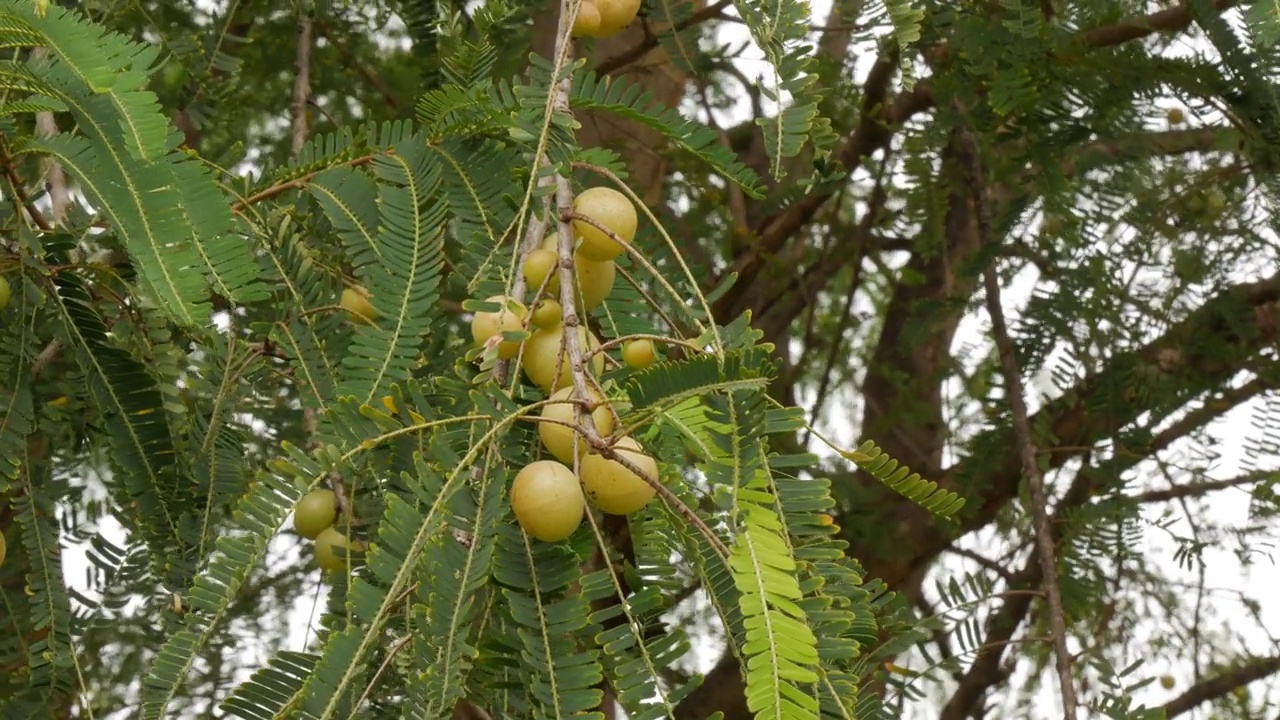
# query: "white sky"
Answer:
x=1224 y=571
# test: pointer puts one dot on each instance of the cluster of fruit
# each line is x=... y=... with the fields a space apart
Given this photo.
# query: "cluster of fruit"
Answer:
x=313 y=519
x=604 y=18
x=546 y=496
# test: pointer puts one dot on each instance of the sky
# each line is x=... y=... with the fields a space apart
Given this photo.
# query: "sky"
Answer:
x=1223 y=569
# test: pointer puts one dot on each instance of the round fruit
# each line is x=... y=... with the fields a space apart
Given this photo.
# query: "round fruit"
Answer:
x=509 y=319
x=1215 y=201
x=356 y=302
x=595 y=280
x=327 y=543
x=606 y=206
x=1175 y=116
x=615 y=15
x=538 y=265
x=5 y=293
x=315 y=512
x=542 y=357
x=588 y=21
x=1167 y=682
x=557 y=438
x=547 y=500
x=639 y=354
x=611 y=485
x=547 y=314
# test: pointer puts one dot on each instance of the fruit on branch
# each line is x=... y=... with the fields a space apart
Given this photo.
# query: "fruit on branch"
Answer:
x=486 y=325
x=612 y=486
x=542 y=357
x=5 y=293
x=328 y=556
x=639 y=354
x=355 y=300
x=587 y=24
x=314 y=513
x=547 y=500
x=612 y=210
x=1167 y=682
x=538 y=265
x=547 y=313
x=559 y=439
x=615 y=15
x=1175 y=116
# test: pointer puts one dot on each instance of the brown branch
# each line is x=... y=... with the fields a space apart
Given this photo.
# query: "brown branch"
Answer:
x=1205 y=487
x=1172 y=20
x=295 y=184
x=1221 y=685
x=301 y=83
x=650 y=41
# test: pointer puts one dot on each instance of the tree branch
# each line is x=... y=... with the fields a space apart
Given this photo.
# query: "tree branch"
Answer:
x=301 y=83
x=1222 y=684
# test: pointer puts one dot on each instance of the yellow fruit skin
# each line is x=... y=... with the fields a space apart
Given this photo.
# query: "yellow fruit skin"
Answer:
x=616 y=15
x=639 y=354
x=1175 y=116
x=538 y=265
x=542 y=352
x=326 y=543
x=315 y=512
x=588 y=21
x=558 y=439
x=485 y=325
x=359 y=309
x=611 y=209
x=611 y=485
x=595 y=281
x=547 y=314
x=547 y=500
x=5 y=293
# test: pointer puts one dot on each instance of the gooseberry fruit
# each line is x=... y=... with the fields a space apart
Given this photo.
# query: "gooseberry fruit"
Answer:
x=356 y=302
x=615 y=15
x=327 y=543
x=315 y=511
x=1215 y=201
x=5 y=293
x=542 y=357
x=588 y=21
x=595 y=280
x=612 y=486
x=559 y=439
x=547 y=500
x=509 y=319
x=639 y=354
x=608 y=207
x=538 y=265
x=1175 y=116
x=1167 y=682
x=547 y=313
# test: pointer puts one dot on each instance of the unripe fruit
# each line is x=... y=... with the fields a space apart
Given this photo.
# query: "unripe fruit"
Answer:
x=608 y=207
x=1175 y=116
x=1167 y=682
x=538 y=265
x=587 y=24
x=328 y=556
x=558 y=439
x=315 y=512
x=547 y=500
x=639 y=354
x=5 y=293
x=615 y=15
x=542 y=353
x=612 y=486
x=509 y=319
x=356 y=302
x=547 y=313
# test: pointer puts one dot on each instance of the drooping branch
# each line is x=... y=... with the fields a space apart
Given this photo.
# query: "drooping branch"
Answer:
x=1221 y=685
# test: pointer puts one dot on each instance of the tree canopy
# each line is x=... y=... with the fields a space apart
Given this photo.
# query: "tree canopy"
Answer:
x=509 y=360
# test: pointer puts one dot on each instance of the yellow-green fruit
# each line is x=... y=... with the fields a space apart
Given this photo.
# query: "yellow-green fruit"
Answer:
x=639 y=354
x=595 y=281
x=356 y=302
x=547 y=500
x=1167 y=682
x=547 y=313
x=315 y=512
x=509 y=319
x=1175 y=116
x=538 y=265
x=542 y=357
x=615 y=15
x=559 y=439
x=330 y=550
x=611 y=209
x=588 y=21
x=612 y=486
x=5 y=293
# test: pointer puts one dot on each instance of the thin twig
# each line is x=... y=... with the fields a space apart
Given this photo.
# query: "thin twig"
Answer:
x=1022 y=430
